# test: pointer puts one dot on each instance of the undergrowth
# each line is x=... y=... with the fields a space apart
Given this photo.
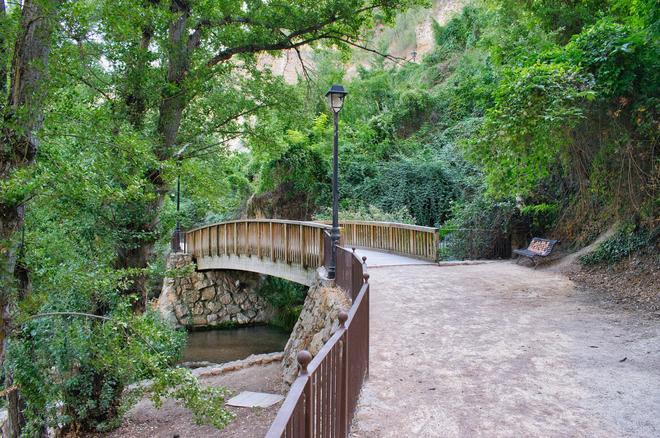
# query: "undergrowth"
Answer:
x=627 y=241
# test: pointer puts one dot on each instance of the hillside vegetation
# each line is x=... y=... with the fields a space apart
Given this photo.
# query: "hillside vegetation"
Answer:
x=537 y=115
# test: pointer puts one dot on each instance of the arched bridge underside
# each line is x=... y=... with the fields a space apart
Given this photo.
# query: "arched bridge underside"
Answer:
x=294 y=250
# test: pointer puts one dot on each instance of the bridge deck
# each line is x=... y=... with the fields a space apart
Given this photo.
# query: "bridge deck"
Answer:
x=497 y=350
x=379 y=259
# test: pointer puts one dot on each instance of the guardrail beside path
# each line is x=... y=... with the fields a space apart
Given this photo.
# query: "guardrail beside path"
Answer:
x=322 y=400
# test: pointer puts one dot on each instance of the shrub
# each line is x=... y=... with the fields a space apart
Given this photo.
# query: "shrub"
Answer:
x=628 y=240
x=73 y=370
x=286 y=297
x=610 y=51
x=528 y=128
x=371 y=213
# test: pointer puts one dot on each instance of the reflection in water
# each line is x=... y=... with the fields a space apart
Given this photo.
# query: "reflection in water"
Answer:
x=220 y=346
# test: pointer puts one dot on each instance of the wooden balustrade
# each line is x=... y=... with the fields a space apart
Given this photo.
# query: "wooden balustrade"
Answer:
x=300 y=243
x=409 y=240
x=322 y=400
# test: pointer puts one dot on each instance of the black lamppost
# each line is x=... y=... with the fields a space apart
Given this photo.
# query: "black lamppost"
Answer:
x=177 y=241
x=335 y=97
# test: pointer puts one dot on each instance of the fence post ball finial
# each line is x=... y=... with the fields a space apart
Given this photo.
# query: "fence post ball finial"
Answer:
x=366 y=278
x=304 y=358
x=343 y=317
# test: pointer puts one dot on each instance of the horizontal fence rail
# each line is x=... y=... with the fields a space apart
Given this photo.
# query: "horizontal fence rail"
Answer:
x=296 y=242
x=404 y=239
x=322 y=400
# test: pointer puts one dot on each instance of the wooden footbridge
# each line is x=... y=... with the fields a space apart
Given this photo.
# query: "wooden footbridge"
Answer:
x=293 y=250
x=323 y=399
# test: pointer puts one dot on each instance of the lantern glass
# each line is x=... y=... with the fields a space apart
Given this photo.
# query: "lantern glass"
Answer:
x=336 y=101
x=335 y=97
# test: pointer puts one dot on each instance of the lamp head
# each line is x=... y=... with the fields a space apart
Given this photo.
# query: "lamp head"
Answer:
x=335 y=96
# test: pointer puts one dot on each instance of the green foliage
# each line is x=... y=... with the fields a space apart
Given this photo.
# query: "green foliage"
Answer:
x=299 y=168
x=370 y=213
x=72 y=368
x=286 y=297
x=616 y=55
x=542 y=217
x=460 y=32
x=206 y=403
x=527 y=128
x=424 y=188
x=481 y=212
x=628 y=240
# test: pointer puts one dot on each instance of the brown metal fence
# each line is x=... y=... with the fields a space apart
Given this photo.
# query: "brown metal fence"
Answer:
x=322 y=400
x=350 y=270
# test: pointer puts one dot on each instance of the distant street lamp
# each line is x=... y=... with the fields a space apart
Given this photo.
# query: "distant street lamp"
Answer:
x=335 y=96
x=178 y=244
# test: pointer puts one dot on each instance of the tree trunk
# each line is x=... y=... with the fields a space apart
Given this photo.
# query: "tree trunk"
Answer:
x=174 y=99
x=23 y=117
x=3 y=54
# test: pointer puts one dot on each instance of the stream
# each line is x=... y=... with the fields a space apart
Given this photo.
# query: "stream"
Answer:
x=225 y=345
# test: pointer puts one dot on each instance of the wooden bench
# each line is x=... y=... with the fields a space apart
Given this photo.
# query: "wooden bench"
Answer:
x=538 y=248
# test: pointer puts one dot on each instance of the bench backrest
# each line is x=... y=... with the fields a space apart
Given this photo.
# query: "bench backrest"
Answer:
x=542 y=247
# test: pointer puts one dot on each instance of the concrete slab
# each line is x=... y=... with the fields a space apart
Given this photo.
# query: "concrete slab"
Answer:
x=248 y=399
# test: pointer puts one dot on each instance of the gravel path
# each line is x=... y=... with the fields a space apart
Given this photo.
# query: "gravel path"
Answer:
x=499 y=350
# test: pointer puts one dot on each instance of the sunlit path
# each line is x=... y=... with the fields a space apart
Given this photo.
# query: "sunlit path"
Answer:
x=500 y=350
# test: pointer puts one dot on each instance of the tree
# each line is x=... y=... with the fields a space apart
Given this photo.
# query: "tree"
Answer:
x=22 y=117
x=199 y=61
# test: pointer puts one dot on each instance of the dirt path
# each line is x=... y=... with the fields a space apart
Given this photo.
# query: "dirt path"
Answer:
x=501 y=350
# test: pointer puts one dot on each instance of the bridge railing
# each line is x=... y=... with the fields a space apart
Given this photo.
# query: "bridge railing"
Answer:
x=322 y=400
x=296 y=242
x=408 y=240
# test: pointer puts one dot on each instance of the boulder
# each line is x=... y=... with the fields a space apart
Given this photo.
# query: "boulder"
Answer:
x=208 y=293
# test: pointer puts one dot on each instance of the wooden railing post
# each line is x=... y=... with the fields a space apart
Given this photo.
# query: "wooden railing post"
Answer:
x=304 y=358
x=286 y=244
x=248 y=250
x=343 y=394
x=259 y=239
x=272 y=247
x=301 y=244
x=235 y=239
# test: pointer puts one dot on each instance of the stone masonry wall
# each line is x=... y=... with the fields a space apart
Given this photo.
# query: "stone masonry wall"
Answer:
x=212 y=298
x=318 y=320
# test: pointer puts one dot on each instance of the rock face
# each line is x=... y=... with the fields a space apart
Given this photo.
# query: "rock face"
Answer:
x=212 y=298
x=317 y=322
